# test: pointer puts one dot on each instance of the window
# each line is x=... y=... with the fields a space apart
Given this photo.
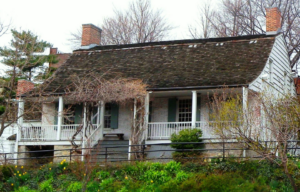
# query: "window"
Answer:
x=107 y=116
x=185 y=110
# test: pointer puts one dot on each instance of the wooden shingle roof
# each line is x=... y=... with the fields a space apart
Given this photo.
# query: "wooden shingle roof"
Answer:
x=185 y=63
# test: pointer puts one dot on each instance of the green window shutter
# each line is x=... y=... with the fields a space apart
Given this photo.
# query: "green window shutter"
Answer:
x=55 y=120
x=172 y=109
x=198 y=114
x=114 y=115
x=78 y=114
x=150 y=111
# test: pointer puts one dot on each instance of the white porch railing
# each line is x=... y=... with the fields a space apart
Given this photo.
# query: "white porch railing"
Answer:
x=94 y=137
x=49 y=132
x=67 y=131
x=164 y=130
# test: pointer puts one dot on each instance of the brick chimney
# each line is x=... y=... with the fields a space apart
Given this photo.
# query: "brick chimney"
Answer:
x=273 y=20
x=61 y=57
x=91 y=36
x=24 y=86
x=53 y=51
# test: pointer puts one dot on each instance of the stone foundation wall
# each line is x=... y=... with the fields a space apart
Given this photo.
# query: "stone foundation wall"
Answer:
x=236 y=150
x=23 y=148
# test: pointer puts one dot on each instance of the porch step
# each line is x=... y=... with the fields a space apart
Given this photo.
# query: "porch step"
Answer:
x=117 y=150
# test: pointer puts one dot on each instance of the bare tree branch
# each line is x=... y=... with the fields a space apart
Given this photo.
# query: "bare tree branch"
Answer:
x=247 y=17
x=139 y=23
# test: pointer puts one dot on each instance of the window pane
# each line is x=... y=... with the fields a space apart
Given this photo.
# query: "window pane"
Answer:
x=185 y=110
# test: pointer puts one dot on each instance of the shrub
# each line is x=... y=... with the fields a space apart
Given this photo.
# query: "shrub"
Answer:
x=157 y=166
x=101 y=175
x=6 y=171
x=24 y=189
x=75 y=187
x=187 y=135
x=110 y=185
x=92 y=186
x=46 y=186
x=173 y=167
x=106 y=182
x=2 y=109
x=181 y=176
x=230 y=182
x=156 y=176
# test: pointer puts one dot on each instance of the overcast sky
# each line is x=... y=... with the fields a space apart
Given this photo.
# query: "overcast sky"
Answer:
x=53 y=20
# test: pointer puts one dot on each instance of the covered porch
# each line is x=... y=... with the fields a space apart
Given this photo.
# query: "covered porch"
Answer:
x=166 y=112
x=173 y=111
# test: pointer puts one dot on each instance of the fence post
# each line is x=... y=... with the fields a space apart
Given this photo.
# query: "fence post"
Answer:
x=105 y=154
x=266 y=145
x=4 y=158
x=223 y=150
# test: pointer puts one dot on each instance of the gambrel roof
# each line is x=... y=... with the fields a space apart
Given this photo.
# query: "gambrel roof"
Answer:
x=173 y=64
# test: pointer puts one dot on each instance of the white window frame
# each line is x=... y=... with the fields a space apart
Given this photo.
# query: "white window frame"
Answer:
x=177 y=107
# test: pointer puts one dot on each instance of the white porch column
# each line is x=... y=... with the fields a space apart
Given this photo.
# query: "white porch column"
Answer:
x=19 y=127
x=102 y=113
x=98 y=114
x=20 y=118
x=245 y=110
x=245 y=99
x=147 y=99
x=194 y=108
x=134 y=112
x=134 y=119
x=60 y=117
x=83 y=132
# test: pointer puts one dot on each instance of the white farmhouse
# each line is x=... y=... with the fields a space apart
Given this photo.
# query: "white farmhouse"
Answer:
x=180 y=75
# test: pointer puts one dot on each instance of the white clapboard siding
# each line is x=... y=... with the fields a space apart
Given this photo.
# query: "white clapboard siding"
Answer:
x=280 y=66
x=7 y=146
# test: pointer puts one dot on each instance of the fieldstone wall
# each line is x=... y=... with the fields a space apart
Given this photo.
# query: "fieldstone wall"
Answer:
x=23 y=148
x=64 y=153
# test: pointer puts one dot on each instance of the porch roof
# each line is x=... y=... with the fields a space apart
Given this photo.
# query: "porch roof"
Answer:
x=183 y=63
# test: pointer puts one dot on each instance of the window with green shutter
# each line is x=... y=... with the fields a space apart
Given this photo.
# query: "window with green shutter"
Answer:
x=114 y=115
x=172 y=103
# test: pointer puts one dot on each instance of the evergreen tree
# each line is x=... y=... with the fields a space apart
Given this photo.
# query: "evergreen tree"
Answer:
x=25 y=54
